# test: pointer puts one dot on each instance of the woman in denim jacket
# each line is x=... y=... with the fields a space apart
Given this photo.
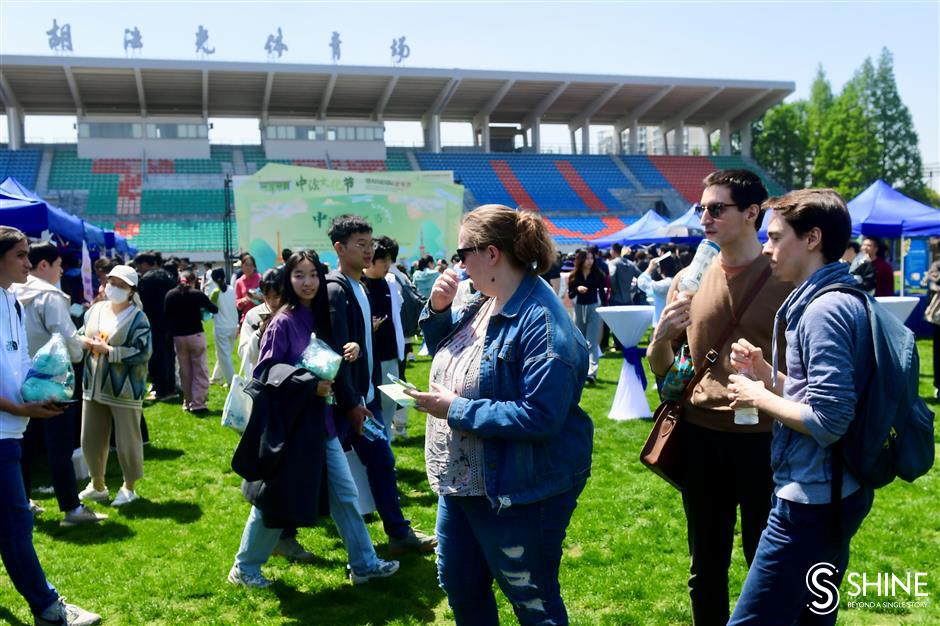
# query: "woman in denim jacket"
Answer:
x=508 y=449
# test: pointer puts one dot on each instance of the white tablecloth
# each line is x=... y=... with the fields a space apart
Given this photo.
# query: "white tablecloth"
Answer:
x=900 y=306
x=629 y=324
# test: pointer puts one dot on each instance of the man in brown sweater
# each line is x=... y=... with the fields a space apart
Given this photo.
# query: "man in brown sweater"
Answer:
x=726 y=465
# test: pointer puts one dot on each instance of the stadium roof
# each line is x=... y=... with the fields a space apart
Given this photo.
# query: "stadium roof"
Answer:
x=98 y=86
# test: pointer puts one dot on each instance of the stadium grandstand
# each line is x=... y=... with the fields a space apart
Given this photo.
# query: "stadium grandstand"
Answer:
x=142 y=163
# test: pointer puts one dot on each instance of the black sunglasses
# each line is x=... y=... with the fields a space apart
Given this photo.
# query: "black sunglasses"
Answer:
x=714 y=209
x=463 y=252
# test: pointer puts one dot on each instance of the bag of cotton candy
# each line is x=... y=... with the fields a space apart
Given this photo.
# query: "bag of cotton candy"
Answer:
x=320 y=359
x=50 y=375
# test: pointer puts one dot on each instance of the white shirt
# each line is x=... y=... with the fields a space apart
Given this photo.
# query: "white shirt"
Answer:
x=394 y=288
x=367 y=320
x=227 y=317
x=14 y=364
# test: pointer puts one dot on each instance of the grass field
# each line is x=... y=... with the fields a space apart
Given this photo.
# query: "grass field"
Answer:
x=163 y=559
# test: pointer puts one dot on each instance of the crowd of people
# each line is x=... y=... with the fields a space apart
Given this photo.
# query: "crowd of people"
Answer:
x=507 y=447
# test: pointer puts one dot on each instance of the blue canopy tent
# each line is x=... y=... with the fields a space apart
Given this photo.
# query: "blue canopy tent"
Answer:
x=881 y=211
x=121 y=245
x=32 y=215
x=690 y=220
x=25 y=210
x=647 y=228
x=94 y=235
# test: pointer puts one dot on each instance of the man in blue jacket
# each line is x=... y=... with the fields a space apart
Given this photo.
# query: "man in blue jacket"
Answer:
x=829 y=355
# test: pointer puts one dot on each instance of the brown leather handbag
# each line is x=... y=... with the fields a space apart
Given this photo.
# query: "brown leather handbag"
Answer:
x=661 y=452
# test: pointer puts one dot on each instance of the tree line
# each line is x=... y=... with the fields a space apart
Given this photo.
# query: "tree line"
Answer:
x=845 y=141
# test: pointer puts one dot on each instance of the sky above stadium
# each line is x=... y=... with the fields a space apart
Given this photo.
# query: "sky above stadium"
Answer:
x=732 y=40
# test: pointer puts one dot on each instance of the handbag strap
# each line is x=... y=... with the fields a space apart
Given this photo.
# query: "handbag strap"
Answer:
x=711 y=357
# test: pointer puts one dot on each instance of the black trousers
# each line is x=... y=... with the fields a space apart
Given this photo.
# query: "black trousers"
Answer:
x=723 y=471
x=58 y=435
x=162 y=364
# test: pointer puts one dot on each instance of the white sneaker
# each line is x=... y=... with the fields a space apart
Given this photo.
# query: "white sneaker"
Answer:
x=35 y=508
x=124 y=496
x=240 y=578
x=383 y=569
x=62 y=613
x=90 y=493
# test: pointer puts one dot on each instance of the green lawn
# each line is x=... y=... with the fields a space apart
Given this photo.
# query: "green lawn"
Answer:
x=163 y=560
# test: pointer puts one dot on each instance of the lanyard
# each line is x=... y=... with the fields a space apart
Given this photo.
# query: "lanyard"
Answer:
x=12 y=345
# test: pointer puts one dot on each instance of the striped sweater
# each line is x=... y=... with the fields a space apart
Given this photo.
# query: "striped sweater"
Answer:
x=118 y=378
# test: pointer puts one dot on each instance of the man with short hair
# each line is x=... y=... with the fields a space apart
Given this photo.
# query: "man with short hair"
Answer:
x=726 y=465
x=16 y=521
x=623 y=274
x=45 y=312
x=154 y=284
x=385 y=300
x=351 y=318
x=884 y=273
x=829 y=356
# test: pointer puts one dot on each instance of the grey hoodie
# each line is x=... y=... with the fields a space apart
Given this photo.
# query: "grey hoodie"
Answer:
x=829 y=357
x=46 y=311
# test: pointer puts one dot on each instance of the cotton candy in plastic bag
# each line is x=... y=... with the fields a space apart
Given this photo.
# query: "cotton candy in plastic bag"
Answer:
x=320 y=359
x=50 y=376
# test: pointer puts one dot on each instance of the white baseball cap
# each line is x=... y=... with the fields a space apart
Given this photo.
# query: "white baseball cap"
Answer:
x=125 y=273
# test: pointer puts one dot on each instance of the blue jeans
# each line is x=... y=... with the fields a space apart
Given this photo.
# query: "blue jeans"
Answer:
x=518 y=546
x=16 y=533
x=588 y=321
x=379 y=462
x=797 y=537
x=258 y=540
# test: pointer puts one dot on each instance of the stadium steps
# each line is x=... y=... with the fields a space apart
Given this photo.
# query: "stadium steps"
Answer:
x=45 y=169
x=574 y=180
x=684 y=173
x=413 y=159
x=238 y=163
x=627 y=173
x=508 y=178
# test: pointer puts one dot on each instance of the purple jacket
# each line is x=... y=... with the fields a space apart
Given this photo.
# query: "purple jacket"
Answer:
x=284 y=340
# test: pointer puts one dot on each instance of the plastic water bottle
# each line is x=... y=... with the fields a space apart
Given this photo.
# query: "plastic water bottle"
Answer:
x=692 y=278
x=746 y=416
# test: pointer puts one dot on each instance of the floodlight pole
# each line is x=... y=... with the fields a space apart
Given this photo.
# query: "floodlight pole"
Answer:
x=228 y=243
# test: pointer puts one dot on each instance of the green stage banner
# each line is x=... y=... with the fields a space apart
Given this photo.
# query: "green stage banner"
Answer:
x=287 y=206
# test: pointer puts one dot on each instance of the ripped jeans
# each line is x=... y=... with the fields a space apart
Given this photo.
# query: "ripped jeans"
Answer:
x=519 y=546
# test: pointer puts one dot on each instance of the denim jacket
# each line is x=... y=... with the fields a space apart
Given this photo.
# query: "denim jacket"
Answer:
x=537 y=441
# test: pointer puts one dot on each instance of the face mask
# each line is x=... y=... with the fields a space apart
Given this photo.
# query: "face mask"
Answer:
x=116 y=294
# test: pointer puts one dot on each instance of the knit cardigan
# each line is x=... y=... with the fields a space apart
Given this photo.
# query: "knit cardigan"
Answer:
x=118 y=378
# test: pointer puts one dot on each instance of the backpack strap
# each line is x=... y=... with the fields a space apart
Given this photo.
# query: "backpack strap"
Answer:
x=838 y=466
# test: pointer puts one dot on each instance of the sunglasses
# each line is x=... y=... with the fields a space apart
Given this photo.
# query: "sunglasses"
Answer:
x=714 y=209
x=463 y=252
